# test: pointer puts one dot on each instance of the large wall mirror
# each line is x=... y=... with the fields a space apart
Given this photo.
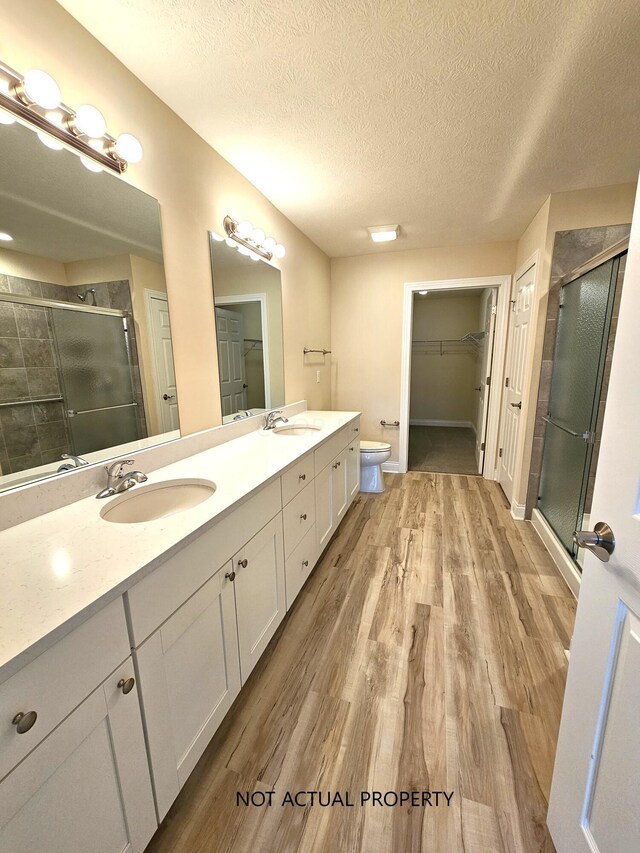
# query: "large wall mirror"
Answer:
x=248 y=305
x=86 y=364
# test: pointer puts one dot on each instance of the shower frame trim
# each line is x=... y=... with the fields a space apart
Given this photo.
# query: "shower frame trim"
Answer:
x=54 y=303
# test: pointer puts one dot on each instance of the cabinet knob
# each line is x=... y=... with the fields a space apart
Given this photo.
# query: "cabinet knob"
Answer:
x=305 y=563
x=335 y=465
x=303 y=517
x=230 y=576
x=24 y=720
x=339 y=464
x=302 y=476
x=351 y=449
x=127 y=684
x=356 y=429
x=244 y=563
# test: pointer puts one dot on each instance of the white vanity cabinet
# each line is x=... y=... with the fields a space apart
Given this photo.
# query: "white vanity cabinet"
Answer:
x=337 y=481
x=259 y=583
x=82 y=781
x=189 y=673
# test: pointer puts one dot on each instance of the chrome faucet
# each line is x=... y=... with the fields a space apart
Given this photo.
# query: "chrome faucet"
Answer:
x=118 y=481
x=272 y=419
x=74 y=462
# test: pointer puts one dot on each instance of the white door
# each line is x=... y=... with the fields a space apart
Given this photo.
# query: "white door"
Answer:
x=521 y=302
x=484 y=377
x=595 y=796
x=87 y=785
x=189 y=676
x=165 y=375
x=324 y=507
x=230 y=331
x=339 y=487
x=260 y=592
x=353 y=470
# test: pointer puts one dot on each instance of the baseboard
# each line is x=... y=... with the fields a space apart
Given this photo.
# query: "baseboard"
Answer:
x=518 y=511
x=563 y=561
x=391 y=467
x=431 y=422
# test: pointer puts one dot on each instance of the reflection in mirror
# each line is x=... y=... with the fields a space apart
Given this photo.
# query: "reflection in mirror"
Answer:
x=86 y=366
x=248 y=304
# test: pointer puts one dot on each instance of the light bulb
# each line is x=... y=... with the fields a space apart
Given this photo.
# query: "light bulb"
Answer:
x=243 y=250
x=216 y=237
x=128 y=148
x=253 y=256
x=90 y=121
x=91 y=165
x=258 y=235
x=49 y=141
x=244 y=229
x=40 y=88
x=269 y=245
x=231 y=243
x=5 y=236
x=6 y=118
x=279 y=251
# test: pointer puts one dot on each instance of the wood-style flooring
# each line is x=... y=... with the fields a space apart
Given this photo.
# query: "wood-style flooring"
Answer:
x=442 y=450
x=425 y=653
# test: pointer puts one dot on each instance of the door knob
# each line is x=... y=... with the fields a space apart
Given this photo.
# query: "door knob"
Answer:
x=168 y=396
x=517 y=405
x=479 y=388
x=244 y=385
x=23 y=721
x=600 y=541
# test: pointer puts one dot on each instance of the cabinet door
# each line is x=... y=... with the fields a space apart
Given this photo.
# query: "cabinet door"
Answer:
x=260 y=592
x=339 y=486
x=353 y=470
x=189 y=676
x=324 y=507
x=86 y=786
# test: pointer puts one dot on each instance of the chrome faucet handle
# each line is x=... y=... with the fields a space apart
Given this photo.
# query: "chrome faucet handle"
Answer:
x=116 y=469
x=77 y=460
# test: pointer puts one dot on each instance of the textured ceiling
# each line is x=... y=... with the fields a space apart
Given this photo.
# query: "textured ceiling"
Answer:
x=454 y=118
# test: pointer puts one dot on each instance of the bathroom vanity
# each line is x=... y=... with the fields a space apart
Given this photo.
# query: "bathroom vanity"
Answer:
x=124 y=645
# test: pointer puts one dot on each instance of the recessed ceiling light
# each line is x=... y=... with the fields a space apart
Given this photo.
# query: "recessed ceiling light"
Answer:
x=5 y=236
x=383 y=233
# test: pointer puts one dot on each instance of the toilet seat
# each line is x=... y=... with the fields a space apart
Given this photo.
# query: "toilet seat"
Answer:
x=374 y=447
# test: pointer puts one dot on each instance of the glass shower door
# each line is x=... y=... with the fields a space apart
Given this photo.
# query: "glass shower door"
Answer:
x=584 y=320
x=95 y=368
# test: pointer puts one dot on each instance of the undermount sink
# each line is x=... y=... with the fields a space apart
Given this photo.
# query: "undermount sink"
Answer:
x=295 y=429
x=157 y=500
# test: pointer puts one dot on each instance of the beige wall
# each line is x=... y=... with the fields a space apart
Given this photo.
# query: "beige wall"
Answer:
x=30 y=266
x=560 y=212
x=366 y=322
x=195 y=188
x=442 y=385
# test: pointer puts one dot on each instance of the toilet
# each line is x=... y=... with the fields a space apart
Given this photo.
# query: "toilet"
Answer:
x=372 y=455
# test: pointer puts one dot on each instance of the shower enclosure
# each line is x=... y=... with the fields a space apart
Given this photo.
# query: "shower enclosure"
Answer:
x=577 y=398
x=96 y=377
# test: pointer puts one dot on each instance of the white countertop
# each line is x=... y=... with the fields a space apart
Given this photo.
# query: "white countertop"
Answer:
x=61 y=567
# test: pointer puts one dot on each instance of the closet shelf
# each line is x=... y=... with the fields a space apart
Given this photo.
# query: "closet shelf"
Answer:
x=448 y=346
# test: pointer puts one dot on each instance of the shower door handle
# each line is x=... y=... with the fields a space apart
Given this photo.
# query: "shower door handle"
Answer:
x=600 y=541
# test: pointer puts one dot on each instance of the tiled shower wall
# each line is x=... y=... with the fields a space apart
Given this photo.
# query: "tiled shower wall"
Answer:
x=37 y=434
x=571 y=249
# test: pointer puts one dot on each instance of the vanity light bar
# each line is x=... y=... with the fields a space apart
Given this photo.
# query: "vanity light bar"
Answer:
x=252 y=239
x=36 y=100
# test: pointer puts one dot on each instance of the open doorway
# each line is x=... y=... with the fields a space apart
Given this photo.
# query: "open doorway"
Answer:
x=452 y=345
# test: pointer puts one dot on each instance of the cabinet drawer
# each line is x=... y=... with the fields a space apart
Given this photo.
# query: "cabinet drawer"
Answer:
x=335 y=445
x=59 y=679
x=298 y=516
x=163 y=591
x=299 y=565
x=295 y=479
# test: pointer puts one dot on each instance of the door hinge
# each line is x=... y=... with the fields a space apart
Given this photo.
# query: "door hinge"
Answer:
x=488 y=382
x=506 y=382
x=494 y=309
x=500 y=453
x=482 y=446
